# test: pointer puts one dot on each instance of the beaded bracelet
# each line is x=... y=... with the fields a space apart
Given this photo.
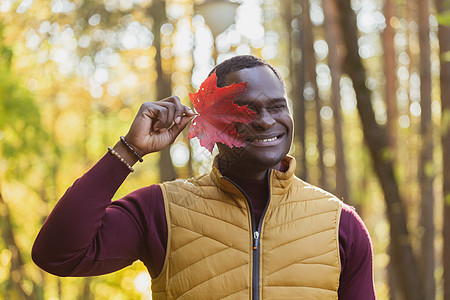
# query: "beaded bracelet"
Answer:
x=122 y=138
x=113 y=152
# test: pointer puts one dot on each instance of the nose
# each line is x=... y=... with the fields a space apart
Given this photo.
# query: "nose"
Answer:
x=264 y=120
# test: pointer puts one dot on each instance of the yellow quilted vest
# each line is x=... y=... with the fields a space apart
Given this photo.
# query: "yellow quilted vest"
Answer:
x=216 y=251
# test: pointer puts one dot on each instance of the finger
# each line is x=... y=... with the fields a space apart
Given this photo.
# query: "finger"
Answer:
x=170 y=116
x=179 y=109
x=145 y=118
x=177 y=106
x=170 y=99
x=188 y=111
x=177 y=128
x=167 y=120
x=161 y=117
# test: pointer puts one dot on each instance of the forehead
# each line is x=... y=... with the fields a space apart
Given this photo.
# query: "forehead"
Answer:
x=262 y=83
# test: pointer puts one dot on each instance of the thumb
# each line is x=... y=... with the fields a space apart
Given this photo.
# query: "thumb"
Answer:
x=177 y=128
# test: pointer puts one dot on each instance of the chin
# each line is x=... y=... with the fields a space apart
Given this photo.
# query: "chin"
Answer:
x=265 y=162
x=255 y=158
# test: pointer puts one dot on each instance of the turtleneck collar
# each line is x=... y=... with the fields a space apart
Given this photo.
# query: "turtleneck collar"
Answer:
x=280 y=180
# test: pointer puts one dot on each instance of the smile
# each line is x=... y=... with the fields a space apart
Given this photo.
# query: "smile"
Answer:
x=265 y=140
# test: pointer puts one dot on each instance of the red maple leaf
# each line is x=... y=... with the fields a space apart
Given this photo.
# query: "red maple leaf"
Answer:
x=217 y=114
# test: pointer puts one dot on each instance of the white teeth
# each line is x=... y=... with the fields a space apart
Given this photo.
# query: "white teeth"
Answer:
x=265 y=140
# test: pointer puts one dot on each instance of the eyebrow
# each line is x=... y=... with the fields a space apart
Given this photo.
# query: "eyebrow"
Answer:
x=245 y=101
x=277 y=100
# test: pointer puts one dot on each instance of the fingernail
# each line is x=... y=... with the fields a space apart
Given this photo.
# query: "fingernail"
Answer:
x=177 y=120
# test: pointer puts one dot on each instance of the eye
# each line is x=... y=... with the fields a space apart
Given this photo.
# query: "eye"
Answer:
x=276 y=107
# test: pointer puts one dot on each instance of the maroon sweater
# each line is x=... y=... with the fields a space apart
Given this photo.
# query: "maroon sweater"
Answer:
x=86 y=234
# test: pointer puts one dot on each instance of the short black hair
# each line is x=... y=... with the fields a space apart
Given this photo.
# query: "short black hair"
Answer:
x=240 y=62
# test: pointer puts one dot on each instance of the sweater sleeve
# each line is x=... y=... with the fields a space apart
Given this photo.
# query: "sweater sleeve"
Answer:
x=86 y=234
x=356 y=281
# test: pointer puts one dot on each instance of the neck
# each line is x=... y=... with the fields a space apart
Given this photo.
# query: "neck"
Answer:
x=241 y=170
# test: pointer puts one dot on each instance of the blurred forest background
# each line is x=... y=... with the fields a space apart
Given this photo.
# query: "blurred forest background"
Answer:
x=368 y=82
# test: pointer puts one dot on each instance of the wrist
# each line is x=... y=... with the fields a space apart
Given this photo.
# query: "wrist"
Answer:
x=125 y=153
x=127 y=141
x=131 y=148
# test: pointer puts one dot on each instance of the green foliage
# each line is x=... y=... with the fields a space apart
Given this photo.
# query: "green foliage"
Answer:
x=444 y=18
x=20 y=120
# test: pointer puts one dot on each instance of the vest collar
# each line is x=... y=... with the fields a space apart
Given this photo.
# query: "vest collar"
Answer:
x=280 y=181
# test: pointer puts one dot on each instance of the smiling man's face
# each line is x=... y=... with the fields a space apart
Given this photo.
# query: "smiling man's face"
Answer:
x=268 y=138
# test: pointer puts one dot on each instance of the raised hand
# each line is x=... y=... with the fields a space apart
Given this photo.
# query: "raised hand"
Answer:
x=156 y=125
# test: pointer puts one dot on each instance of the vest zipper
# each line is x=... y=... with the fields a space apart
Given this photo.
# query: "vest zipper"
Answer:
x=257 y=251
x=256 y=234
x=255 y=240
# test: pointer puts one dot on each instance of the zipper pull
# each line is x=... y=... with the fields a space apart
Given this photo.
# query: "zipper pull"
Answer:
x=255 y=240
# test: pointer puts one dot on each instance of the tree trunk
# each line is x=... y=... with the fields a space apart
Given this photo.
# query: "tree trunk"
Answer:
x=426 y=156
x=444 y=48
x=392 y=278
x=334 y=37
x=163 y=85
x=323 y=183
x=390 y=72
x=410 y=161
x=86 y=289
x=377 y=142
x=295 y=27
x=312 y=74
x=391 y=107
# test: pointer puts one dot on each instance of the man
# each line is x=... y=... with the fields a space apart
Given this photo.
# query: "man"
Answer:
x=248 y=230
